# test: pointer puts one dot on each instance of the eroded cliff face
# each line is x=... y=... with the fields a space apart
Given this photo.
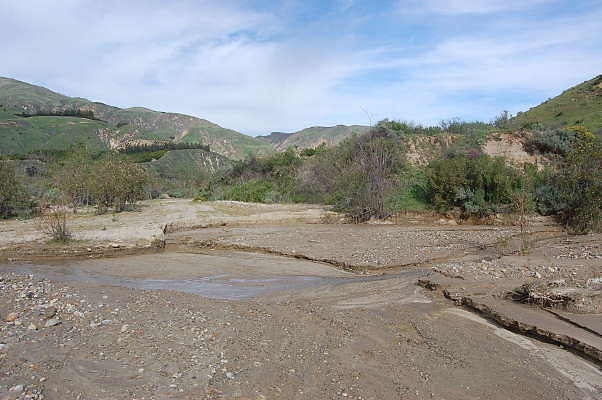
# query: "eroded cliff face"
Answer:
x=512 y=147
x=424 y=149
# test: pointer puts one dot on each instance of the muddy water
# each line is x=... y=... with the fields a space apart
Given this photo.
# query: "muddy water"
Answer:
x=224 y=286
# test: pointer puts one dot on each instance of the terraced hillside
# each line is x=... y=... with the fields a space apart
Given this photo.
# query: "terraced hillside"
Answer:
x=313 y=137
x=35 y=118
x=579 y=105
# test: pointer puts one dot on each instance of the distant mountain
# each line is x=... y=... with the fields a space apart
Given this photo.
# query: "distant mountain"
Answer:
x=579 y=105
x=313 y=137
x=35 y=118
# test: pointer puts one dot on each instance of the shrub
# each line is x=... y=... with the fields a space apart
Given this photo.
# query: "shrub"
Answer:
x=54 y=223
x=72 y=176
x=479 y=186
x=251 y=192
x=410 y=192
x=550 y=140
x=580 y=184
x=118 y=183
x=13 y=199
x=503 y=120
x=8 y=194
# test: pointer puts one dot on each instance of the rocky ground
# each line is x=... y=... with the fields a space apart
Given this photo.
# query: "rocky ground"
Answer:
x=299 y=311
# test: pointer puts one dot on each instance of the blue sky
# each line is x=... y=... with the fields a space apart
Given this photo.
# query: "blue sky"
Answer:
x=262 y=66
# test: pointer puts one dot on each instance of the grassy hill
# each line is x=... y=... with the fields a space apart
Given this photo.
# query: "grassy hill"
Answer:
x=32 y=118
x=177 y=163
x=313 y=137
x=579 y=105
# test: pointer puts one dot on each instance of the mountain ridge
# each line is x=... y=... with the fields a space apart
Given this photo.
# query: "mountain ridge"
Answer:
x=313 y=136
x=22 y=103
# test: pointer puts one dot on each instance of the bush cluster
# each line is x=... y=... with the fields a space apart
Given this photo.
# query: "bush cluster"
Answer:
x=110 y=181
x=14 y=201
x=579 y=184
x=479 y=186
x=550 y=140
x=367 y=176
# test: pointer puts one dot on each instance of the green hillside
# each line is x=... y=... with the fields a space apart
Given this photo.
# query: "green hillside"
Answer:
x=579 y=105
x=179 y=163
x=111 y=127
x=313 y=137
x=24 y=135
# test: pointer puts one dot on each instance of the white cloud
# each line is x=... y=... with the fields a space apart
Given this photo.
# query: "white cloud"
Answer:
x=245 y=69
x=451 y=7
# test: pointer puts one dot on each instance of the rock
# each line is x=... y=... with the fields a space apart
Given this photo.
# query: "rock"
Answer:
x=16 y=389
x=105 y=321
x=52 y=322
x=11 y=317
x=557 y=283
x=594 y=283
x=3 y=346
x=229 y=375
x=47 y=312
x=32 y=327
x=124 y=328
x=115 y=245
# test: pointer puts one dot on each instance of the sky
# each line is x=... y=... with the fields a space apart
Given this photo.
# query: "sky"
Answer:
x=263 y=66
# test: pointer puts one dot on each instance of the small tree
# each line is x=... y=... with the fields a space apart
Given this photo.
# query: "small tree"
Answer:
x=11 y=191
x=523 y=201
x=53 y=222
x=117 y=183
x=72 y=177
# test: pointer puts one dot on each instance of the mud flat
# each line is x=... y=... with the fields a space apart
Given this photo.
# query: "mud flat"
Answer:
x=294 y=311
x=258 y=326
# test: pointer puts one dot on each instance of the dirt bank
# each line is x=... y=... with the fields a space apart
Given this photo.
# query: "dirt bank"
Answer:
x=129 y=232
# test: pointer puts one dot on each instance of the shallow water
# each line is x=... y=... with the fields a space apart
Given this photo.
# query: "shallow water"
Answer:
x=222 y=286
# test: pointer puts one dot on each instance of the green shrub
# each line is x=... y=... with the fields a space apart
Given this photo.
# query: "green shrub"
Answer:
x=115 y=182
x=72 y=176
x=410 y=192
x=580 y=184
x=250 y=192
x=479 y=186
x=146 y=156
x=13 y=200
x=550 y=140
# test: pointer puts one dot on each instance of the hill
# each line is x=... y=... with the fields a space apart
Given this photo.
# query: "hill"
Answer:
x=579 y=105
x=178 y=164
x=313 y=137
x=35 y=118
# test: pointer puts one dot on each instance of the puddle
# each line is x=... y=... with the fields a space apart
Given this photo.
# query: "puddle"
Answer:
x=222 y=286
